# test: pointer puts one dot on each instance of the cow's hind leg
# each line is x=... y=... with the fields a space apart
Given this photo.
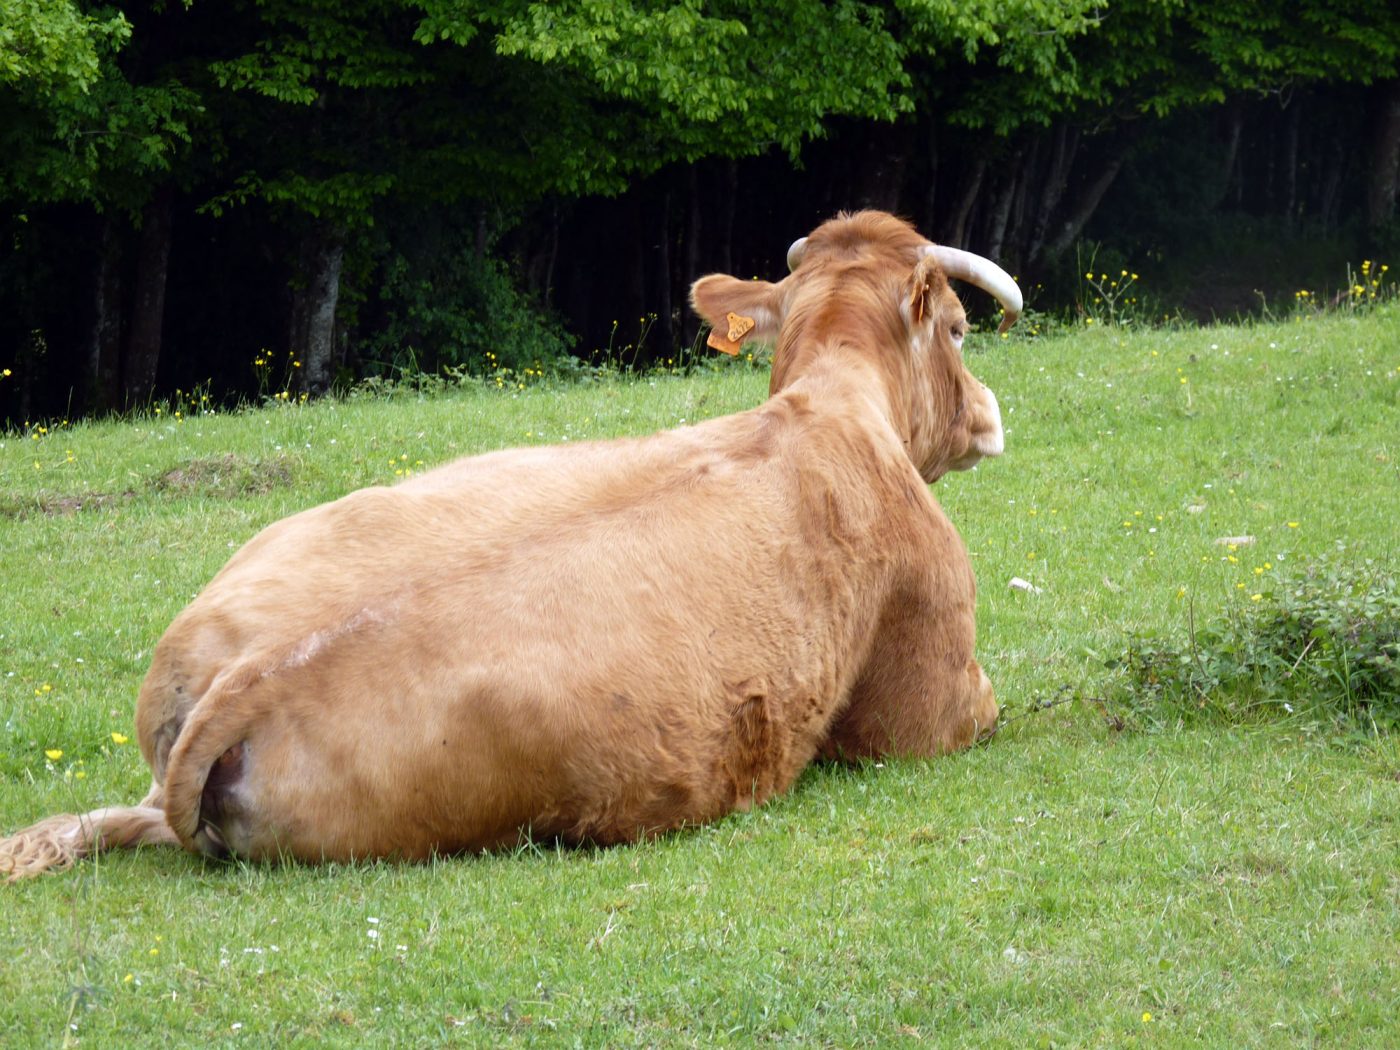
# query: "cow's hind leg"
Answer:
x=56 y=843
x=921 y=693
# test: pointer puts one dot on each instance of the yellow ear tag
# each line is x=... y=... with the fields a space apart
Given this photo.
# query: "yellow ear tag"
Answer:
x=729 y=343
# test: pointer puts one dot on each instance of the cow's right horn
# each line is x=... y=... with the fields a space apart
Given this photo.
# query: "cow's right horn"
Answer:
x=795 y=252
x=974 y=269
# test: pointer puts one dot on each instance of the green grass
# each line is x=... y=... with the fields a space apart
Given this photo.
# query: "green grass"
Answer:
x=1238 y=883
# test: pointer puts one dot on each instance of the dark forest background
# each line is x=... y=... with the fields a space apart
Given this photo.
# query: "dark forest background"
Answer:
x=373 y=187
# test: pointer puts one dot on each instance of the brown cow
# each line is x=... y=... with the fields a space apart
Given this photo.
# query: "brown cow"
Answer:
x=598 y=641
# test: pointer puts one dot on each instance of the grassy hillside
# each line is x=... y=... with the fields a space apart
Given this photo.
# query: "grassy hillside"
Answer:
x=1082 y=880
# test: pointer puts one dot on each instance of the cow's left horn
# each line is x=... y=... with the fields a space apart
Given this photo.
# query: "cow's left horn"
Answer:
x=795 y=252
x=974 y=269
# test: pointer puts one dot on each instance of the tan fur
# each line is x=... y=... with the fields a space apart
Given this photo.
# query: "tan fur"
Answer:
x=599 y=641
x=56 y=843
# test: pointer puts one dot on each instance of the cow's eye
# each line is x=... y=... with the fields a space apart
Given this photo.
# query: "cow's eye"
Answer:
x=959 y=330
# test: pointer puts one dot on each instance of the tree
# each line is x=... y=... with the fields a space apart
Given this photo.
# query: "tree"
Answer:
x=78 y=129
x=503 y=104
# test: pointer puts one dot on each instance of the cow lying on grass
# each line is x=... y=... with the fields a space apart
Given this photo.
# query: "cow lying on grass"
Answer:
x=599 y=641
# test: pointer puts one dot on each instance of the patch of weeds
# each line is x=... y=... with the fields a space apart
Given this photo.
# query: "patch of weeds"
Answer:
x=1065 y=694
x=1322 y=647
x=228 y=476
x=20 y=508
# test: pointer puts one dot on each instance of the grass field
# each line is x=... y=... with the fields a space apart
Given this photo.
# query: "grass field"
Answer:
x=1069 y=884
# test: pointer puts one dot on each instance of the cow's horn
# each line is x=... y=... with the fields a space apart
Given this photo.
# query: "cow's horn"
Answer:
x=795 y=252
x=974 y=269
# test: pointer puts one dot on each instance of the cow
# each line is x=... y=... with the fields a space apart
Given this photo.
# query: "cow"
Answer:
x=598 y=642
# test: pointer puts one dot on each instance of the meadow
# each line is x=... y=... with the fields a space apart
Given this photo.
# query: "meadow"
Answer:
x=1095 y=875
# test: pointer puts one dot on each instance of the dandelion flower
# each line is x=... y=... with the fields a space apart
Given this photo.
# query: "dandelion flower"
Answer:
x=1146 y=1016
x=1292 y=524
x=120 y=738
x=53 y=754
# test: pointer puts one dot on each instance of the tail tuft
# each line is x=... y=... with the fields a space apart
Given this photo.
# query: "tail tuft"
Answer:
x=50 y=845
x=57 y=843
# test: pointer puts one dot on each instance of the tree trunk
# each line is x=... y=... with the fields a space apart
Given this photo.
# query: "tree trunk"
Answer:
x=552 y=263
x=148 y=306
x=1088 y=203
x=1234 y=127
x=1056 y=182
x=957 y=233
x=1290 y=157
x=1001 y=214
x=930 y=222
x=1384 y=175
x=726 y=215
x=1268 y=199
x=479 y=247
x=313 y=307
x=1331 y=183
x=694 y=230
x=102 y=374
x=881 y=177
x=1015 y=242
x=661 y=271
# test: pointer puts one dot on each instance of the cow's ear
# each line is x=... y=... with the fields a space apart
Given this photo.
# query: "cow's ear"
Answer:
x=926 y=285
x=738 y=311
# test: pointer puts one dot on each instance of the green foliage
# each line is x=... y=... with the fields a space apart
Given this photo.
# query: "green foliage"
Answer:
x=458 y=310
x=995 y=65
x=1115 y=62
x=75 y=128
x=1323 y=646
x=733 y=78
x=54 y=47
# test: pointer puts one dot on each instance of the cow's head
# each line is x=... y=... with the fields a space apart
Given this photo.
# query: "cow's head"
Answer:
x=868 y=285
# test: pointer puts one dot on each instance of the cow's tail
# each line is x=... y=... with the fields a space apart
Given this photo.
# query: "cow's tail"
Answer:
x=215 y=730
x=56 y=843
